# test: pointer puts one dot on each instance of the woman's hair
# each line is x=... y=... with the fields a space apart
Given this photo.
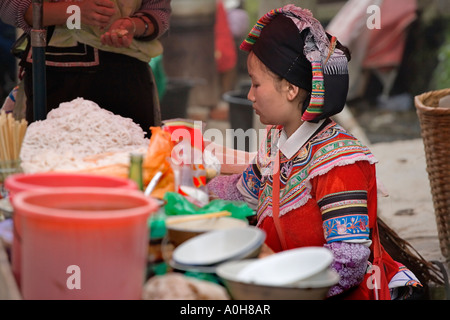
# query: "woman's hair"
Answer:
x=280 y=42
x=277 y=80
x=339 y=46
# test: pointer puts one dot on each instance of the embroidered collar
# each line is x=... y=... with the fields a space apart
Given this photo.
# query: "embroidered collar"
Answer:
x=290 y=146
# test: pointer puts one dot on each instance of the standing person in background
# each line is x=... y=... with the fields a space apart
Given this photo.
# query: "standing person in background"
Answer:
x=225 y=54
x=106 y=60
x=230 y=29
x=239 y=21
x=8 y=63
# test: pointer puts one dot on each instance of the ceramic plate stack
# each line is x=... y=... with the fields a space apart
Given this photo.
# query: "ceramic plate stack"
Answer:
x=297 y=274
x=287 y=267
x=205 y=252
x=181 y=231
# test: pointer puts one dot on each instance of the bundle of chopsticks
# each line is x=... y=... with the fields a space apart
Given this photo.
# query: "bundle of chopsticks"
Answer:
x=12 y=133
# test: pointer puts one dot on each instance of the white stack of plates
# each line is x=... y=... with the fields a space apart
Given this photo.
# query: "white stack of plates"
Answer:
x=205 y=252
x=287 y=267
x=315 y=287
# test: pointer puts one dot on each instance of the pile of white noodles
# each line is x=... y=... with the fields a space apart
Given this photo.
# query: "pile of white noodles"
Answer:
x=76 y=130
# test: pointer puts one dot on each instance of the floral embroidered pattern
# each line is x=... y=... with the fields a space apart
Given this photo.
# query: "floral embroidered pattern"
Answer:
x=346 y=228
x=253 y=184
x=345 y=216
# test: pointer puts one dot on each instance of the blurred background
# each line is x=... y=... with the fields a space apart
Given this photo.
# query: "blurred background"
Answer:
x=407 y=56
x=202 y=73
x=8 y=78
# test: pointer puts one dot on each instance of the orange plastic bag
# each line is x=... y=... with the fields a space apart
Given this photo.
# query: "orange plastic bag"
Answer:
x=158 y=159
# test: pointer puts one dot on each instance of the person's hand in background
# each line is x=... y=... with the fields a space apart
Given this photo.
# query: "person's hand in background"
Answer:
x=120 y=33
x=96 y=12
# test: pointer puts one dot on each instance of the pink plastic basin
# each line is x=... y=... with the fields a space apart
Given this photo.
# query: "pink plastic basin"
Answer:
x=83 y=243
x=23 y=182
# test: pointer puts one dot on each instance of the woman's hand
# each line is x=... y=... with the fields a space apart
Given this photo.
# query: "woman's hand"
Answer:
x=96 y=12
x=120 y=34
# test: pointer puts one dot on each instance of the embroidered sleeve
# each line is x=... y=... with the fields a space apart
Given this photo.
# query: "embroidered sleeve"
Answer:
x=343 y=197
x=345 y=216
x=225 y=187
x=350 y=262
x=249 y=185
x=252 y=178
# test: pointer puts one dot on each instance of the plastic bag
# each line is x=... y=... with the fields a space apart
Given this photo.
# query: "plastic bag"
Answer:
x=158 y=159
x=177 y=204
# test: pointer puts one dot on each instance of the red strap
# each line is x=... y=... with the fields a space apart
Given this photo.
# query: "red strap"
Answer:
x=377 y=253
x=381 y=290
x=276 y=201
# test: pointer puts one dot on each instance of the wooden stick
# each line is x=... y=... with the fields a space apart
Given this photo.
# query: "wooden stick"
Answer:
x=23 y=130
x=14 y=138
x=9 y=142
x=3 y=138
x=198 y=217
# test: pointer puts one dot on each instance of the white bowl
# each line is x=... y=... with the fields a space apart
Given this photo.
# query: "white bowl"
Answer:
x=313 y=288
x=287 y=267
x=218 y=246
x=180 y=232
x=250 y=254
x=191 y=268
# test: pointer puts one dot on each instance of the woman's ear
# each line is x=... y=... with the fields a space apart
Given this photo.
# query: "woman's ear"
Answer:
x=292 y=91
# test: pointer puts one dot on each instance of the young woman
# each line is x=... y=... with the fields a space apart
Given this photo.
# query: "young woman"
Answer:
x=312 y=183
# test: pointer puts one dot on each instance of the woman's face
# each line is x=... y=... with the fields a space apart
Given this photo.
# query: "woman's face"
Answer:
x=270 y=95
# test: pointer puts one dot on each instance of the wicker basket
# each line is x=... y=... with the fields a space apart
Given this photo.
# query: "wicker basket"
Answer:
x=435 y=130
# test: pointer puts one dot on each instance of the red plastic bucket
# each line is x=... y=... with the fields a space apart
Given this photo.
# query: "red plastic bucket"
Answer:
x=23 y=182
x=83 y=243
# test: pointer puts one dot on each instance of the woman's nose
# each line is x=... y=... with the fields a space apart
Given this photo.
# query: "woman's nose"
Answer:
x=250 y=95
